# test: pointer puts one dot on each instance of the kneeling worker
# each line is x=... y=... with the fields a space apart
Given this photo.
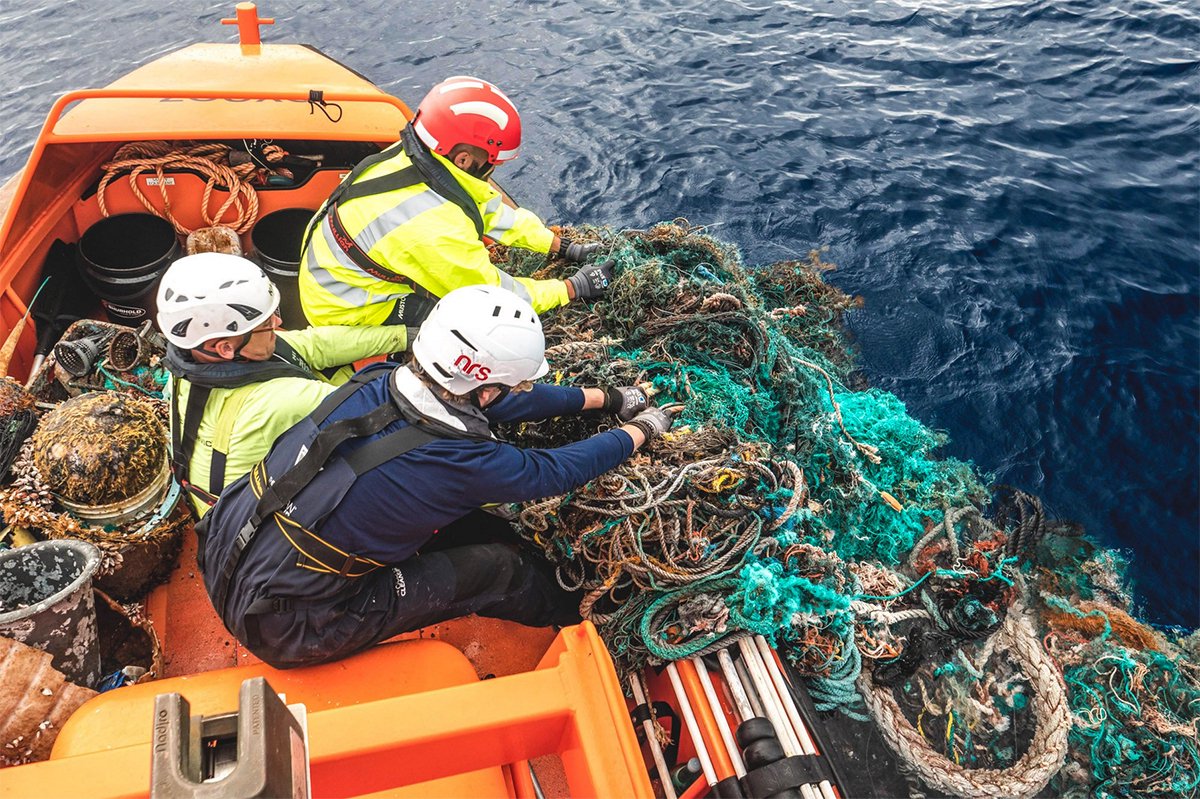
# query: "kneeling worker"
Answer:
x=327 y=546
x=238 y=381
x=408 y=225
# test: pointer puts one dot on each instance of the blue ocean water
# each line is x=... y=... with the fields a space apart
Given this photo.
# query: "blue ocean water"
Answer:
x=1012 y=187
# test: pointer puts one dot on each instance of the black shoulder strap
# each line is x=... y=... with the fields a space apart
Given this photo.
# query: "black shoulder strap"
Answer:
x=438 y=178
x=343 y=393
x=344 y=186
x=380 y=451
x=425 y=169
x=183 y=443
x=279 y=494
x=400 y=179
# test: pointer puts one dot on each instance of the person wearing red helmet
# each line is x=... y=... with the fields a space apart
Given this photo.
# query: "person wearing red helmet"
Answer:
x=407 y=226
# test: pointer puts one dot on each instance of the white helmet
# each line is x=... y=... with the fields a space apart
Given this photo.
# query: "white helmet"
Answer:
x=478 y=336
x=212 y=295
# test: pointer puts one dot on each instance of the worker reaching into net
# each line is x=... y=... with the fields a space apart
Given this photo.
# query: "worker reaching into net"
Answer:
x=238 y=381
x=408 y=225
x=332 y=543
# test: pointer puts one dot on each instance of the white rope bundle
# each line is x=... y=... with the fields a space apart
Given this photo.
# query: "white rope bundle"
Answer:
x=1047 y=749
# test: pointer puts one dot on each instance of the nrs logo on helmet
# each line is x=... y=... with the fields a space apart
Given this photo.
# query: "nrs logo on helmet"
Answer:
x=468 y=366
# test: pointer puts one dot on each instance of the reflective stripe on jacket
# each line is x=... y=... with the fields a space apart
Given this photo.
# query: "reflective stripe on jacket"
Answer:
x=419 y=234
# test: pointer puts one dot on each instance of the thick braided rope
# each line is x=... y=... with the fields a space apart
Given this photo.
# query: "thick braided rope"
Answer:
x=205 y=159
x=1047 y=750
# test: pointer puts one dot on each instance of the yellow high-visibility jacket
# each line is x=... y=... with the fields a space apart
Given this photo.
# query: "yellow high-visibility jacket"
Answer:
x=423 y=236
x=244 y=422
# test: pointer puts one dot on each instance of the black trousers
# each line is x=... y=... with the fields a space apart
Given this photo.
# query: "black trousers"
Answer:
x=477 y=565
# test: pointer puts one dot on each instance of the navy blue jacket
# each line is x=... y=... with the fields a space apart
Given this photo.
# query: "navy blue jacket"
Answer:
x=393 y=509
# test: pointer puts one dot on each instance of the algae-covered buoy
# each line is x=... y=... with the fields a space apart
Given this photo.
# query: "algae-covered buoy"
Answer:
x=103 y=455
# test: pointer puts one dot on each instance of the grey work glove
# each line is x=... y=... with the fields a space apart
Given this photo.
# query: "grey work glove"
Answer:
x=625 y=401
x=577 y=252
x=591 y=280
x=654 y=421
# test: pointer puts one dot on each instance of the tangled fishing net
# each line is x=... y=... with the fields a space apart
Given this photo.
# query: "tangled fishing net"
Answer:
x=994 y=648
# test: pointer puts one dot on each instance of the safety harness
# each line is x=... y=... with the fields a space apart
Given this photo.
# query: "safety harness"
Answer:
x=202 y=379
x=274 y=508
x=424 y=169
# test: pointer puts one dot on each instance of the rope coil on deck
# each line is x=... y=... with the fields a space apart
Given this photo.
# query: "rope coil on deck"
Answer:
x=210 y=160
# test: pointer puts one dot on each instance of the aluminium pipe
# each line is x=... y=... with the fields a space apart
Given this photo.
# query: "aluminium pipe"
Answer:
x=710 y=693
x=787 y=701
x=660 y=763
x=787 y=736
x=737 y=688
x=789 y=705
x=741 y=691
x=766 y=695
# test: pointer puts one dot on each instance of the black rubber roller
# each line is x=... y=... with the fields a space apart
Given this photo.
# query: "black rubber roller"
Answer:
x=753 y=729
x=762 y=752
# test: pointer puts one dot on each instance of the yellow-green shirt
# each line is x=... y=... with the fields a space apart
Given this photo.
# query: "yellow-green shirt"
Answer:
x=258 y=413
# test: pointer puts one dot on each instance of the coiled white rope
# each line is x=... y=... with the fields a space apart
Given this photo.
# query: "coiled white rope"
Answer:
x=1047 y=750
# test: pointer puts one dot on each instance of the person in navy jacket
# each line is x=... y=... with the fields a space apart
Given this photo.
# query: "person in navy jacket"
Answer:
x=331 y=543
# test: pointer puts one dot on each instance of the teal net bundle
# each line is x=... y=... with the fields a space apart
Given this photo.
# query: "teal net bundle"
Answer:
x=993 y=647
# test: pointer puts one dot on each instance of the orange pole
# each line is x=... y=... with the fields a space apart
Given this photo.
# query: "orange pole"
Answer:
x=248 y=21
x=705 y=719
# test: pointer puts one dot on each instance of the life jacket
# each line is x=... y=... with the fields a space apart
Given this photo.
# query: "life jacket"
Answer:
x=274 y=510
x=406 y=225
x=202 y=379
x=422 y=169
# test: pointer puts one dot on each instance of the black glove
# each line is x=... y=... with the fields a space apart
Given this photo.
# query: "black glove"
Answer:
x=576 y=252
x=654 y=421
x=625 y=401
x=591 y=280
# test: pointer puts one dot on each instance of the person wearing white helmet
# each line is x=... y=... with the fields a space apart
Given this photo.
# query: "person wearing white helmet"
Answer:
x=328 y=545
x=410 y=223
x=237 y=380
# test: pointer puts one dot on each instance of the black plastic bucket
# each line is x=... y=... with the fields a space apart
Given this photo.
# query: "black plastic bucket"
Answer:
x=46 y=601
x=122 y=257
x=277 y=239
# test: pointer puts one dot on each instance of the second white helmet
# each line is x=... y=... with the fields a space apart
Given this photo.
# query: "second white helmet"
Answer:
x=211 y=295
x=481 y=335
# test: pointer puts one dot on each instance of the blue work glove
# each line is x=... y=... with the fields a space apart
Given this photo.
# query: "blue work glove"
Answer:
x=577 y=252
x=625 y=401
x=591 y=280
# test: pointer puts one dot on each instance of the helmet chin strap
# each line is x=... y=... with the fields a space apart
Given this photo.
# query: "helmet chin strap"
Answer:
x=474 y=396
x=481 y=171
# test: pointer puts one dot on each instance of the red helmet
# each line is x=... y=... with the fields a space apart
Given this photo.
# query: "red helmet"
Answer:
x=466 y=110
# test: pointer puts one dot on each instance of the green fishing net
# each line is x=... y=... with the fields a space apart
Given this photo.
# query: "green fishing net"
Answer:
x=792 y=501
